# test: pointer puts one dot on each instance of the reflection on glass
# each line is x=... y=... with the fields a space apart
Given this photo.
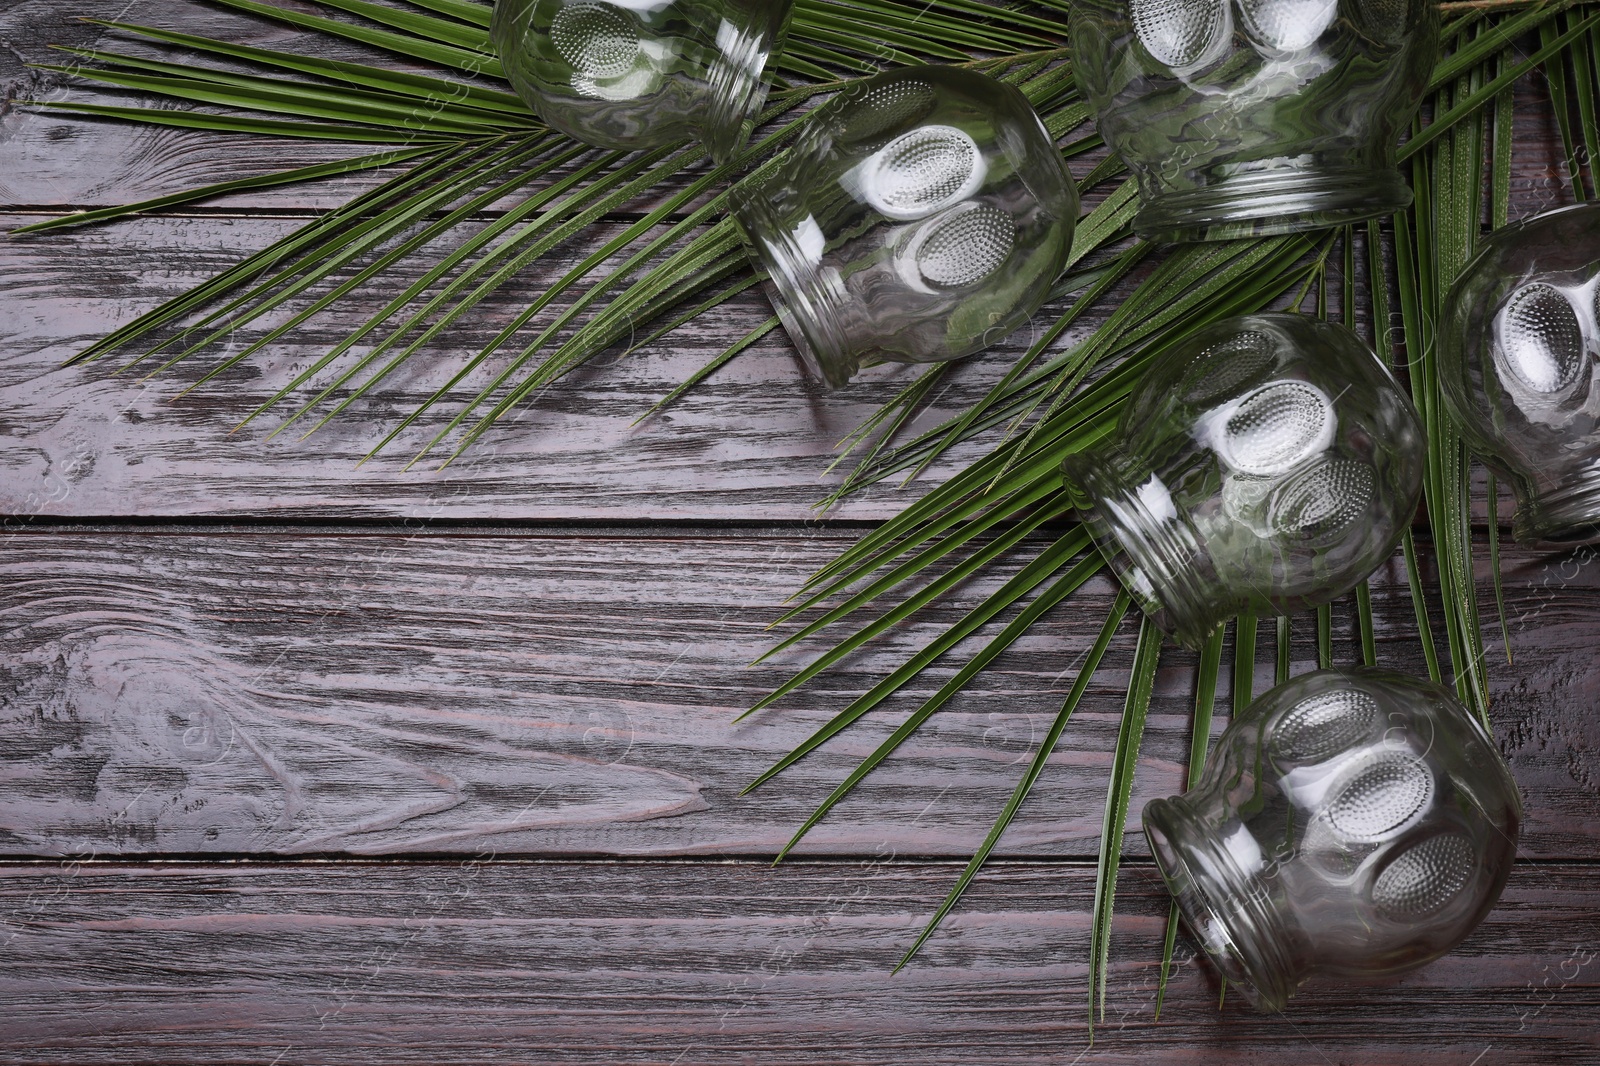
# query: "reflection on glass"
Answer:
x=641 y=73
x=1520 y=364
x=1269 y=462
x=1251 y=117
x=1350 y=823
x=921 y=217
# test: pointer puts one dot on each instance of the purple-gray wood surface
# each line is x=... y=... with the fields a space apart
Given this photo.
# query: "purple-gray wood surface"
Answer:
x=290 y=773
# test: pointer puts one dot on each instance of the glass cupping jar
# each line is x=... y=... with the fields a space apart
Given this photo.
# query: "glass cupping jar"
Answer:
x=1520 y=364
x=1252 y=117
x=1269 y=462
x=921 y=216
x=1350 y=824
x=642 y=73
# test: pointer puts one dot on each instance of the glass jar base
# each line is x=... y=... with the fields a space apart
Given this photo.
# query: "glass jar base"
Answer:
x=1273 y=202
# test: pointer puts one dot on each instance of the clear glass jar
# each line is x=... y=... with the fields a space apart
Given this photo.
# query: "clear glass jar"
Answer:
x=1268 y=462
x=1352 y=824
x=1519 y=355
x=1252 y=117
x=921 y=216
x=642 y=73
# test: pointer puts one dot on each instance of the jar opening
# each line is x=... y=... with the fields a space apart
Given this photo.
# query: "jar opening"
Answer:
x=1271 y=198
x=808 y=296
x=1566 y=514
x=1153 y=550
x=1225 y=909
x=736 y=80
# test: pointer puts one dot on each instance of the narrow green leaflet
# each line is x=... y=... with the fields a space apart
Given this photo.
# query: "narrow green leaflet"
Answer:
x=1041 y=569
x=1145 y=660
x=1205 y=699
x=1036 y=768
x=207 y=192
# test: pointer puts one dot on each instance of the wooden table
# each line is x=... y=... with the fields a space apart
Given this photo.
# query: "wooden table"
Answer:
x=306 y=762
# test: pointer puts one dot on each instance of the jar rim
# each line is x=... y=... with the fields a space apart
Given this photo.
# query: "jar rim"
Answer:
x=1567 y=513
x=1154 y=557
x=739 y=86
x=802 y=292
x=1228 y=911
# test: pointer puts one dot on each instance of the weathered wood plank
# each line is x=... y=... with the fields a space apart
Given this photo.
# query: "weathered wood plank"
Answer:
x=59 y=162
x=243 y=692
x=750 y=445
x=688 y=963
x=89 y=446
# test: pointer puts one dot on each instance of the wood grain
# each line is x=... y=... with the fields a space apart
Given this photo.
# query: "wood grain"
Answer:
x=558 y=962
x=751 y=445
x=248 y=692
x=59 y=162
x=753 y=442
x=62 y=163
x=529 y=721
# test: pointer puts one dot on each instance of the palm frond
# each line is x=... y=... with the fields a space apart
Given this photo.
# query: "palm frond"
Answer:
x=1205 y=701
x=1036 y=768
x=665 y=259
x=1433 y=240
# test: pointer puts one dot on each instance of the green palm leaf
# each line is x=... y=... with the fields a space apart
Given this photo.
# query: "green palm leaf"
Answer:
x=1035 y=770
x=1137 y=707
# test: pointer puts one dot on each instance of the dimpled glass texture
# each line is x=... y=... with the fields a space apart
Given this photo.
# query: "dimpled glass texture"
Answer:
x=1268 y=462
x=921 y=216
x=1251 y=117
x=1350 y=824
x=642 y=73
x=1520 y=362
